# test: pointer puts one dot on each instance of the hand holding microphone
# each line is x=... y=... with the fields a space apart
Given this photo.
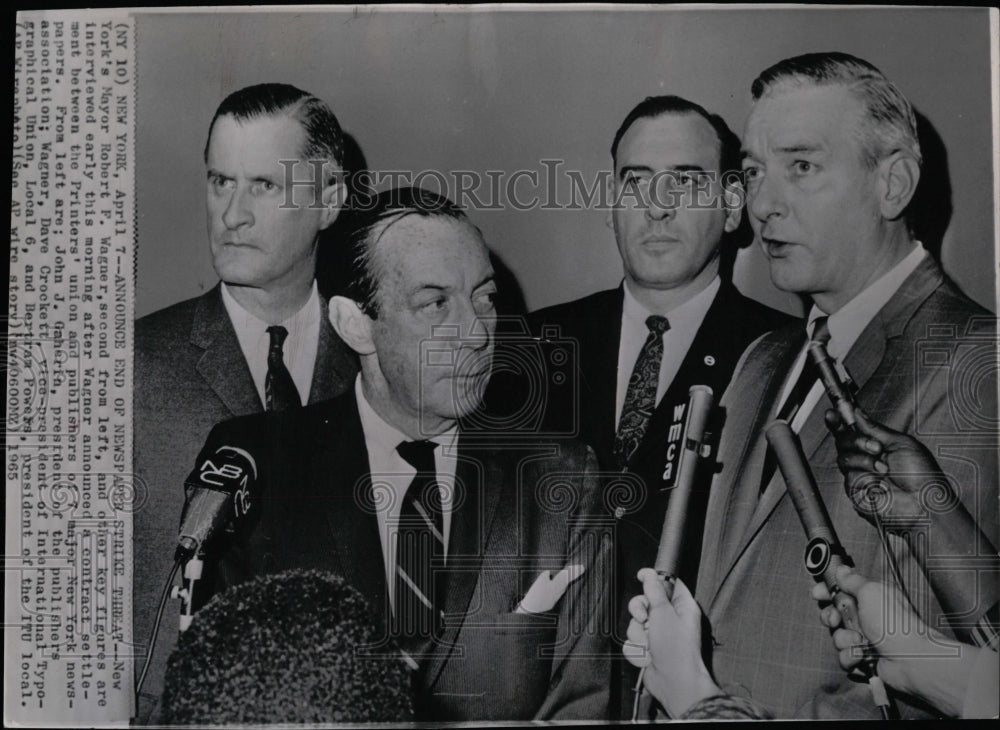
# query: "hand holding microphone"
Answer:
x=824 y=553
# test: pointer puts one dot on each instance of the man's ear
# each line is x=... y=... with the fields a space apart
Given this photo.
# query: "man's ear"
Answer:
x=352 y=324
x=733 y=198
x=898 y=174
x=334 y=199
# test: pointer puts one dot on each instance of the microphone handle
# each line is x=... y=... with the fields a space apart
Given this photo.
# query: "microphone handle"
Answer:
x=840 y=397
x=668 y=553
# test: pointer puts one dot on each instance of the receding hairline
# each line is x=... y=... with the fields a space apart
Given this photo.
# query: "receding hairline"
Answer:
x=712 y=132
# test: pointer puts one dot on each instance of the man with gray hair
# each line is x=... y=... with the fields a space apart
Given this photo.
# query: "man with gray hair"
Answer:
x=257 y=340
x=832 y=161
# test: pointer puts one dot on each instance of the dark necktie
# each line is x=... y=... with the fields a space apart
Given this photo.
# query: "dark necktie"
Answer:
x=640 y=397
x=279 y=388
x=807 y=379
x=420 y=538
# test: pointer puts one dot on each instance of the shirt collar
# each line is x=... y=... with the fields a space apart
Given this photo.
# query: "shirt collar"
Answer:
x=383 y=437
x=691 y=311
x=308 y=315
x=848 y=322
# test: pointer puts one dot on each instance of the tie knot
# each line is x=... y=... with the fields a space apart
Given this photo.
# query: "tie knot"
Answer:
x=657 y=324
x=418 y=454
x=278 y=335
x=821 y=330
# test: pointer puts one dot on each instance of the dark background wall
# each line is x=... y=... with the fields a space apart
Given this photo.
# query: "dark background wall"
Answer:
x=481 y=91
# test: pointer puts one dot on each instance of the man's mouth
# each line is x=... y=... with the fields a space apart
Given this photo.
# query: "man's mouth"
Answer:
x=660 y=241
x=776 y=248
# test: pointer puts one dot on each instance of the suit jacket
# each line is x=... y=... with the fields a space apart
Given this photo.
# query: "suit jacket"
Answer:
x=593 y=323
x=915 y=365
x=518 y=510
x=732 y=322
x=190 y=374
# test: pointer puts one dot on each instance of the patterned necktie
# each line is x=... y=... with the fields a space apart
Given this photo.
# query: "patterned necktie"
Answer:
x=640 y=398
x=279 y=388
x=419 y=539
x=807 y=379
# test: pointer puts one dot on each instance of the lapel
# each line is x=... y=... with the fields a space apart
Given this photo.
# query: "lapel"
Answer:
x=600 y=332
x=480 y=478
x=861 y=362
x=341 y=461
x=336 y=364
x=222 y=364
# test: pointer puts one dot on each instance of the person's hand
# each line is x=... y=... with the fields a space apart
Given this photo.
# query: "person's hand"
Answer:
x=665 y=637
x=913 y=657
x=888 y=472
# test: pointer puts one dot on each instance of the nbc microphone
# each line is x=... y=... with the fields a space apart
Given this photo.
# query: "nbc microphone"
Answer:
x=699 y=407
x=221 y=495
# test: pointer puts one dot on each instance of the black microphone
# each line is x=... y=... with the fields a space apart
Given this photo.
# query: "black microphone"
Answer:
x=221 y=494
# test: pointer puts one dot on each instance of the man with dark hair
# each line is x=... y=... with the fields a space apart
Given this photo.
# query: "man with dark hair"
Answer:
x=284 y=649
x=677 y=319
x=259 y=339
x=486 y=562
x=832 y=160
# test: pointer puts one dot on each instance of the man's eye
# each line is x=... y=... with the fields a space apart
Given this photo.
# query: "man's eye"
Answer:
x=485 y=302
x=803 y=167
x=265 y=186
x=434 y=305
x=751 y=173
x=219 y=182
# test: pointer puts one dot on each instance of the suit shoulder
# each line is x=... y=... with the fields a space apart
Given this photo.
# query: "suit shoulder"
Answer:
x=285 y=424
x=168 y=323
x=949 y=299
x=759 y=317
x=582 y=308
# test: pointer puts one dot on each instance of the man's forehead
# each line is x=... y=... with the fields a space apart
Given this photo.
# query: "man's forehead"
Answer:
x=265 y=140
x=413 y=241
x=801 y=117
x=671 y=139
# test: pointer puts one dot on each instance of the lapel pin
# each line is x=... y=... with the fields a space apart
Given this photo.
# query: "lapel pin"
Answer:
x=619 y=512
x=709 y=360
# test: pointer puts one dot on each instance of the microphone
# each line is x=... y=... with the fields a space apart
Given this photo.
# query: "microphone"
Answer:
x=668 y=553
x=222 y=488
x=824 y=553
x=841 y=398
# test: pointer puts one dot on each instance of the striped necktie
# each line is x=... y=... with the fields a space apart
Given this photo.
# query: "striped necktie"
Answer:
x=420 y=538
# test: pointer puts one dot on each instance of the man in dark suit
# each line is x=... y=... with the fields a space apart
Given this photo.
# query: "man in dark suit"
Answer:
x=831 y=162
x=502 y=614
x=260 y=338
x=677 y=215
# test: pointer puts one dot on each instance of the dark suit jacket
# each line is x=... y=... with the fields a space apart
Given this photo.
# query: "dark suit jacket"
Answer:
x=732 y=322
x=593 y=323
x=518 y=510
x=190 y=374
x=916 y=365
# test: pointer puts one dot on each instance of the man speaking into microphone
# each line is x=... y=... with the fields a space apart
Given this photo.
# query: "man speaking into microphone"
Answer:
x=487 y=563
x=832 y=161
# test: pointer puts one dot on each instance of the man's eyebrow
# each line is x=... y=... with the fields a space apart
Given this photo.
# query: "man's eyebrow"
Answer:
x=798 y=149
x=212 y=172
x=634 y=168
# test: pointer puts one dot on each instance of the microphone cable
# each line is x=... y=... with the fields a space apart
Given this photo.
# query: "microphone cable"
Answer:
x=156 y=625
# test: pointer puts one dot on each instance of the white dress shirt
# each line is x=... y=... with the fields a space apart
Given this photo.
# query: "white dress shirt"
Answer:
x=299 y=349
x=846 y=325
x=392 y=474
x=685 y=320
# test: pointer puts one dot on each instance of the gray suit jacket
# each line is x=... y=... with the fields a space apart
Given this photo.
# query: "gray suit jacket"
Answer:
x=922 y=366
x=189 y=375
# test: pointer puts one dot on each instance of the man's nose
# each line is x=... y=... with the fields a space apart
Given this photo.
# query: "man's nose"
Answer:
x=237 y=212
x=663 y=198
x=766 y=199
